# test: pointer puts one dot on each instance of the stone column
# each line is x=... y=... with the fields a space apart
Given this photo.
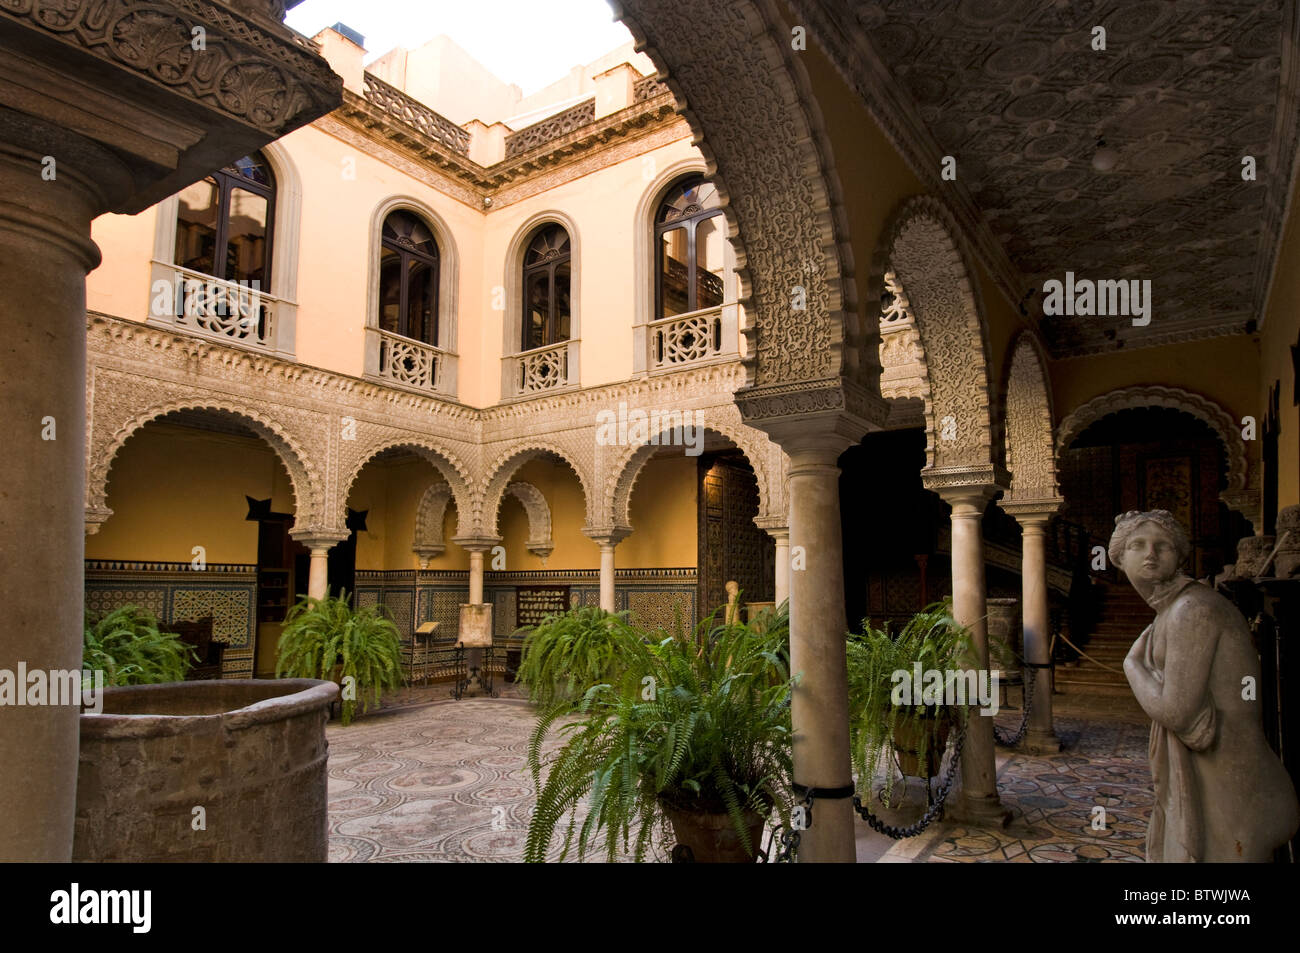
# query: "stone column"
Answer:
x=820 y=706
x=979 y=801
x=607 y=538
x=45 y=252
x=320 y=543
x=86 y=129
x=1040 y=737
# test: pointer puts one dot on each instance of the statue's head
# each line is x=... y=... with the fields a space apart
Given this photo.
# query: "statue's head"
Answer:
x=1148 y=546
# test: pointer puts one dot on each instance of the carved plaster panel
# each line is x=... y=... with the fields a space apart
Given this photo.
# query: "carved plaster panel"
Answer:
x=1031 y=451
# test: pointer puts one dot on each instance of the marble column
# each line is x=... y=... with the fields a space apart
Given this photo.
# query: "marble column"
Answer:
x=1040 y=737
x=607 y=538
x=820 y=706
x=979 y=789
x=320 y=545
x=477 y=547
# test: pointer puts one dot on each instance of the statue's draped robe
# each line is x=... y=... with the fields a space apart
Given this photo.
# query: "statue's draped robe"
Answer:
x=1220 y=792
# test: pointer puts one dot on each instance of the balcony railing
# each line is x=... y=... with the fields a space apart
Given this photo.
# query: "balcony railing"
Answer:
x=410 y=362
x=401 y=106
x=228 y=311
x=548 y=130
x=542 y=369
x=686 y=339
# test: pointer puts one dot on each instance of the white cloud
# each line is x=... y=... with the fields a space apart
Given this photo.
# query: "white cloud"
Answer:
x=520 y=41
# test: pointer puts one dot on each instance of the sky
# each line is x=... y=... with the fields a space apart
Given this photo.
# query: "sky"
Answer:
x=521 y=41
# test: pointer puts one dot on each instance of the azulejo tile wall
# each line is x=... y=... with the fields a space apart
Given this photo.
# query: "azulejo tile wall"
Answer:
x=651 y=595
x=177 y=592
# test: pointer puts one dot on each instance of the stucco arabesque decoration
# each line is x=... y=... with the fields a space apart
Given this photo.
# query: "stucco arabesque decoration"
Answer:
x=251 y=68
x=921 y=251
x=1242 y=493
x=325 y=427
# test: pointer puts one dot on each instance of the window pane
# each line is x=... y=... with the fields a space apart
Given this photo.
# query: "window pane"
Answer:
x=408 y=232
x=253 y=168
x=672 y=275
x=548 y=244
x=537 y=304
x=196 y=226
x=709 y=250
x=563 y=305
x=390 y=289
x=419 y=301
x=246 y=249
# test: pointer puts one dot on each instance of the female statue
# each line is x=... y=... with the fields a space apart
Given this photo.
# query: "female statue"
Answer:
x=1220 y=792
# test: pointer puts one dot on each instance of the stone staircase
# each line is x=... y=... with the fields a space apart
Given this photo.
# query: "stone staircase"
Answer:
x=1123 y=617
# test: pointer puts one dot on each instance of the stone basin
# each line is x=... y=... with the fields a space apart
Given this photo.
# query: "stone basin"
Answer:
x=211 y=771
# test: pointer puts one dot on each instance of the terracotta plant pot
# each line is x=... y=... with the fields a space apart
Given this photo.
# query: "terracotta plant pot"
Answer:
x=712 y=838
x=907 y=743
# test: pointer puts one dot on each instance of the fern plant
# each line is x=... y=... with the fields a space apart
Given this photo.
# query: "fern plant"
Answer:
x=695 y=722
x=128 y=646
x=320 y=634
x=932 y=638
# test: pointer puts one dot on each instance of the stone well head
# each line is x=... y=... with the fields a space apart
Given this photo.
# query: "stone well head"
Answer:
x=231 y=770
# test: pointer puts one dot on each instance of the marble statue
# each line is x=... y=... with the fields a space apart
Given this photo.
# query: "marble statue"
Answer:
x=1221 y=794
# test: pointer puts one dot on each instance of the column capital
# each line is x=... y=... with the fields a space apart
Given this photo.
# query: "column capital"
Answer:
x=607 y=535
x=1031 y=512
x=827 y=415
x=973 y=495
x=775 y=526
x=96 y=516
x=476 y=544
x=989 y=475
x=315 y=537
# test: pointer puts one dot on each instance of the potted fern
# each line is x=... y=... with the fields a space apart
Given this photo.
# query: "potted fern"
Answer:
x=688 y=732
x=328 y=639
x=130 y=649
x=886 y=720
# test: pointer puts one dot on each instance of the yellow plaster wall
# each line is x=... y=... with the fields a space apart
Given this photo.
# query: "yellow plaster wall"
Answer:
x=174 y=488
x=120 y=285
x=665 y=516
x=1279 y=332
x=390 y=493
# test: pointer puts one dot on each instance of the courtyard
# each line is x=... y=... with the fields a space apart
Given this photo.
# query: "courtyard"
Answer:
x=431 y=779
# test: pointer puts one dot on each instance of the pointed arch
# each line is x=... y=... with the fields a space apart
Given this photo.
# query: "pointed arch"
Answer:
x=509 y=462
x=923 y=248
x=430 y=515
x=304 y=480
x=443 y=460
x=1210 y=412
x=538 y=511
x=1030 y=443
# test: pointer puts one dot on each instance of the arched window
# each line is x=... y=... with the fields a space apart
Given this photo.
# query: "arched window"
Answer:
x=408 y=278
x=224 y=223
x=690 y=242
x=547 y=302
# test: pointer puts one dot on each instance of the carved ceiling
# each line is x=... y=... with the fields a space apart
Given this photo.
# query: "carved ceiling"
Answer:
x=1183 y=91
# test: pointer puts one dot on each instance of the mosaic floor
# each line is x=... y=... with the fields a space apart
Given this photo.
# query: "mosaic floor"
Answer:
x=440 y=780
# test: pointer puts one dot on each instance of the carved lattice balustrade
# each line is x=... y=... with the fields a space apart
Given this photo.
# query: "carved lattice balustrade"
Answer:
x=400 y=106
x=548 y=130
x=686 y=339
x=229 y=311
x=543 y=369
x=410 y=362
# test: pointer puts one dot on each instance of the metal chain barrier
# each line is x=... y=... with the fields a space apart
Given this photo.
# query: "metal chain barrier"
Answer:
x=934 y=810
x=1030 y=683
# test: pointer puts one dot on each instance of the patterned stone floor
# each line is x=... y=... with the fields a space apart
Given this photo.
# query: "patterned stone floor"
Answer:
x=440 y=780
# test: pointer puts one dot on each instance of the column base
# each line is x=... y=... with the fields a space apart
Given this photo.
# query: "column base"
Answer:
x=1040 y=742
x=979 y=812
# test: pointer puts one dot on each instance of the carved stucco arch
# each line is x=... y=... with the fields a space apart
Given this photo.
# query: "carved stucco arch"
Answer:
x=304 y=481
x=747 y=98
x=1031 y=447
x=443 y=460
x=540 y=542
x=508 y=463
x=1203 y=408
x=627 y=469
x=430 y=515
x=922 y=246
